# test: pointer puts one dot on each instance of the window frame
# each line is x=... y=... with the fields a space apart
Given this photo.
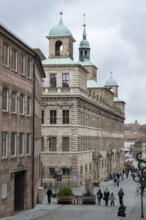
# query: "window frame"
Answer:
x=53 y=141
x=65 y=118
x=43 y=117
x=13 y=148
x=6 y=54
x=20 y=108
x=29 y=68
x=64 y=142
x=4 y=149
x=14 y=60
x=6 y=101
x=28 y=143
x=21 y=144
x=65 y=80
x=53 y=83
x=53 y=117
x=22 y=64
x=15 y=101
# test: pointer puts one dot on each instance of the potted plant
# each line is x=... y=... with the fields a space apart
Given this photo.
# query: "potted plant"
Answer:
x=65 y=195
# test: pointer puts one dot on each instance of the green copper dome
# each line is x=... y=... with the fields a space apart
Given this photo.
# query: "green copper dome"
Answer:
x=111 y=82
x=60 y=30
x=84 y=44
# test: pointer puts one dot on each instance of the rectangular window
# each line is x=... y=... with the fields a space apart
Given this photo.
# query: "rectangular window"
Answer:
x=5 y=99
x=5 y=55
x=28 y=147
x=22 y=104
x=4 y=144
x=65 y=80
x=42 y=116
x=14 y=59
x=53 y=116
x=13 y=144
x=22 y=64
x=14 y=101
x=65 y=117
x=65 y=143
x=52 y=143
x=42 y=143
x=21 y=143
x=29 y=68
x=52 y=80
x=29 y=106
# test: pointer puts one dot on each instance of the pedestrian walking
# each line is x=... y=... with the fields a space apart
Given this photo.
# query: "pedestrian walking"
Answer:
x=99 y=196
x=106 y=196
x=121 y=195
x=112 y=199
x=115 y=181
x=118 y=181
x=49 y=194
x=127 y=174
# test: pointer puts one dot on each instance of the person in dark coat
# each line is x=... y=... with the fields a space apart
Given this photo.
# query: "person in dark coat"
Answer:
x=106 y=196
x=49 y=194
x=122 y=210
x=99 y=196
x=121 y=194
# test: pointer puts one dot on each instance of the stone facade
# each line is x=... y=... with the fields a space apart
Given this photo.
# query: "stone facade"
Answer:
x=82 y=125
x=21 y=72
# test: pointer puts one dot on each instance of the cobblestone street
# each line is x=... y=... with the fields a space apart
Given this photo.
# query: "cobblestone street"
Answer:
x=88 y=212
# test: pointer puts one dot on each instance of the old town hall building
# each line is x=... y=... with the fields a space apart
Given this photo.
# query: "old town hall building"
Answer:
x=82 y=121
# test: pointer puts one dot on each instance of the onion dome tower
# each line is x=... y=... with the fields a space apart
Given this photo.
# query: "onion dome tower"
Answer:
x=112 y=85
x=84 y=48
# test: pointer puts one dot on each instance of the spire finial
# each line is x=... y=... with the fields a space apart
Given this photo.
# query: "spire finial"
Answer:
x=111 y=73
x=61 y=13
x=84 y=20
x=84 y=25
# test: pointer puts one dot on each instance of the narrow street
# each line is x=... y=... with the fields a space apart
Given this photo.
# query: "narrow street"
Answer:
x=88 y=212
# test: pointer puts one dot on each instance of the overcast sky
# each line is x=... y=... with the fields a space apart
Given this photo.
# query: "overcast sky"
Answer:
x=115 y=30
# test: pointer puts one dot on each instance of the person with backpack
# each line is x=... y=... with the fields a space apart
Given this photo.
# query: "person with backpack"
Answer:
x=99 y=196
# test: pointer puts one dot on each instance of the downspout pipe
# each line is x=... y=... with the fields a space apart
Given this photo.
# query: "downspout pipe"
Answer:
x=33 y=131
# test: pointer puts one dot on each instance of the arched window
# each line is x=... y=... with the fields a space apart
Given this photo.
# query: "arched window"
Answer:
x=85 y=53
x=58 y=48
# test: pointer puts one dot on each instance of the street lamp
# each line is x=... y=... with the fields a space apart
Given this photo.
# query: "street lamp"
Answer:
x=140 y=176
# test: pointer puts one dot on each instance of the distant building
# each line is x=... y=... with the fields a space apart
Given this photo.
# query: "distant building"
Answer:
x=21 y=73
x=82 y=121
x=134 y=137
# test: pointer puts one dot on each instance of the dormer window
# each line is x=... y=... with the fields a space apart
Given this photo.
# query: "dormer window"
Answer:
x=58 y=48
